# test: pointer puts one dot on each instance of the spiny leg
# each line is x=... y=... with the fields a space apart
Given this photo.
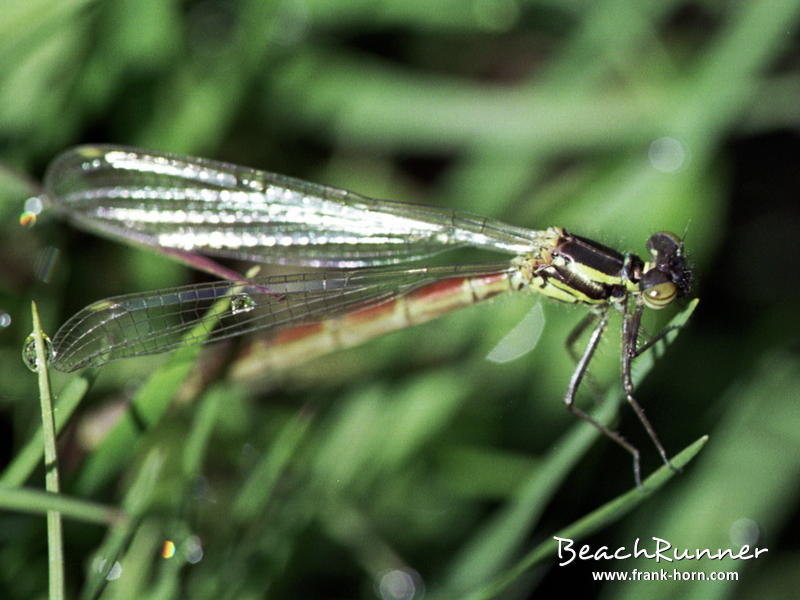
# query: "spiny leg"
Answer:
x=571 y=342
x=574 y=383
x=577 y=331
x=655 y=339
x=631 y=321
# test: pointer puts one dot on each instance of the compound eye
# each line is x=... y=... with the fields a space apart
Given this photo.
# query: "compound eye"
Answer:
x=660 y=295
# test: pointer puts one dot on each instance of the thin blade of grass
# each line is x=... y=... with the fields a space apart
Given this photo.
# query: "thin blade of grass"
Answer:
x=203 y=424
x=260 y=485
x=594 y=521
x=38 y=502
x=28 y=457
x=55 y=534
x=138 y=563
x=137 y=500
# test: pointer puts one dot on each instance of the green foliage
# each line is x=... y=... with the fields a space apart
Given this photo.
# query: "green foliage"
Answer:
x=411 y=461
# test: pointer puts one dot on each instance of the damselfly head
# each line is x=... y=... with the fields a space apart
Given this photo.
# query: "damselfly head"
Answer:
x=670 y=276
x=664 y=244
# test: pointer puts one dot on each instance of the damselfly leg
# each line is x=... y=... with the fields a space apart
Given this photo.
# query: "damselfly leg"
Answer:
x=631 y=322
x=575 y=381
x=656 y=338
x=577 y=331
x=571 y=344
x=631 y=325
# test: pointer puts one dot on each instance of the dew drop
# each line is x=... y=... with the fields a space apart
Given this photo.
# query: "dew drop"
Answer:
x=242 y=304
x=34 y=205
x=29 y=352
x=744 y=531
x=667 y=154
x=400 y=584
x=193 y=550
x=5 y=319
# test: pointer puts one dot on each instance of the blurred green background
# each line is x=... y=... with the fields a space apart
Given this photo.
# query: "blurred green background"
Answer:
x=411 y=466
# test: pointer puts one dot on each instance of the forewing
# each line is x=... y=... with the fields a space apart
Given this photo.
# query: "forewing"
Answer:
x=206 y=206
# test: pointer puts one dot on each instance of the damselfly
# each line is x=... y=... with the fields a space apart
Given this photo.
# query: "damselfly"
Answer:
x=361 y=290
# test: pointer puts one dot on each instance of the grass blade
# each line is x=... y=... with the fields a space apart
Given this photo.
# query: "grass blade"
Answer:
x=594 y=521
x=55 y=535
x=38 y=502
x=28 y=457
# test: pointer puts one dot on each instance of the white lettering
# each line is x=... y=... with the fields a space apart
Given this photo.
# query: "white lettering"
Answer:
x=660 y=549
x=664 y=551
x=567 y=548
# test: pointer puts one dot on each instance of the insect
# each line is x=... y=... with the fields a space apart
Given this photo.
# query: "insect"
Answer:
x=362 y=288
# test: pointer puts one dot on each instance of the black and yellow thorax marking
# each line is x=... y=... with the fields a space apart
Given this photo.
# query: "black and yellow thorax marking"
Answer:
x=573 y=269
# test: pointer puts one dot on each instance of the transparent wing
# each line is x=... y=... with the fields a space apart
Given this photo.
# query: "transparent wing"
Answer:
x=522 y=338
x=195 y=204
x=159 y=321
